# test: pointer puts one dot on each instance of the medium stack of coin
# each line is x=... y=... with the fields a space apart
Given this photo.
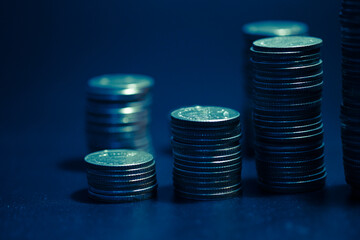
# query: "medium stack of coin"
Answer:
x=207 y=152
x=118 y=112
x=350 y=108
x=287 y=84
x=252 y=32
x=121 y=175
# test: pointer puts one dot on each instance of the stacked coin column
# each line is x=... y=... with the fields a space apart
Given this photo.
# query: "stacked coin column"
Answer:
x=118 y=112
x=254 y=31
x=287 y=113
x=350 y=108
x=207 y=152
x=121 y=175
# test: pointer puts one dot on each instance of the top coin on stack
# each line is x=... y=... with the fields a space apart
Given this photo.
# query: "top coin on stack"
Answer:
x=350 y=108
x=273 y=28
x=287 y=113
x=118 y=112
x=207 y=152
x=254 y=31
x=121 y=175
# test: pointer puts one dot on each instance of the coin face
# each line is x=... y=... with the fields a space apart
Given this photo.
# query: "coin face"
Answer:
x=121 y=81
x=118 y=158
x=275 y=28
x=288 y=43
x=205 y=114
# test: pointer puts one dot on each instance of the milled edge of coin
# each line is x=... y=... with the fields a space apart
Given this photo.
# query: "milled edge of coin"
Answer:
x=217 y=196
x=311 y=186
x=115 y=192
x=121 y=199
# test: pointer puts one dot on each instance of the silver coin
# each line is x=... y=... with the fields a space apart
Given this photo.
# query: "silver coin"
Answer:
x=122 y=180
x=123 y=192
x=208 y=162
x=142 y=103
x=287 y=43
x=218 y=173
x=99 y=128
x=212 y=196
x=120 y=173
x=119 y=84
x=275 y=28
x=119 y=199
x=118 y=112
x=208 y=168
x=208 y=182
x=205 y=114
x=294 y=188
x=207 y=178
x=122 y=186
x=119 y=158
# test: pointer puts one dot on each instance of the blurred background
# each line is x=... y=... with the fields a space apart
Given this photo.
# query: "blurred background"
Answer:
x=193 y=49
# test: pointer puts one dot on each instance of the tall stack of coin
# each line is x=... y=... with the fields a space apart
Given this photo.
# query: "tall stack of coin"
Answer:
x=121 y=175
x=350 y=108
x=288 y=125
x=207 y=152
x=254 y=31
x=118 y=112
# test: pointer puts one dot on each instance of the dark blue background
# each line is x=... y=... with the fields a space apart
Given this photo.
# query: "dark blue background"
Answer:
x=193 y=50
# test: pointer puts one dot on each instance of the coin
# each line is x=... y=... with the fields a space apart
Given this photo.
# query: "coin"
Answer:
x=118 y=107
x=119 y=86
x=258 y=30
x=275 y=28
x=205 y=115
x=120 y=175
x=119 y=199
x=350 y=114
x=287 y=44
x=207 y=152
x=287 y=97
x=119 y=159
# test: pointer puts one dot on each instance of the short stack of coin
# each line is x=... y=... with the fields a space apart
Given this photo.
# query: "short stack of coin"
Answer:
x=350 y=108
x=252 y=32
x=207 y=152
x=118 y=112
x=287 y=84
x=121 y=175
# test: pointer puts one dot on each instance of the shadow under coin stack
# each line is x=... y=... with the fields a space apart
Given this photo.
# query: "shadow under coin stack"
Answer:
x=121 y=175
x=287 y=114
x=254 y=31
x=207 y=152
x=350 y=108
x=118 y=112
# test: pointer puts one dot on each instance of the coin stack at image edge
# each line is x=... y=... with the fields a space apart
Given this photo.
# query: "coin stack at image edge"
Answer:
x=207 y=152
x=350 y=107
x=287 y=85
x=118 y=112
x=252 y=32
x=121 y=175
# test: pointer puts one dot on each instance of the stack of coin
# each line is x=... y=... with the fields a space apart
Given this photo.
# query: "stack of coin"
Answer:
x=121 y=175
x=207 y=152
x=350 y=108
x=287 y=113
x=252 y=32
x=118 y=112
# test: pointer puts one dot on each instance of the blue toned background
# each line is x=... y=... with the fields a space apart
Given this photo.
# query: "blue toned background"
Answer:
x=193 y=50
